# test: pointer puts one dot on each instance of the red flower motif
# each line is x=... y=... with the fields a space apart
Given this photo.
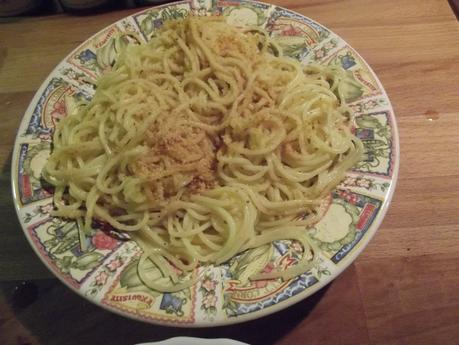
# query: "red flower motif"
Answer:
x=343 y=194
x=114 y=264
x=45 y=209
x=364 y=183
x=260 y=284
x=319 y=54
x=101 y=278
x=45 y=136
x=329 y=45
x=350 y=181
x=369 y=105
x=297 y=247
x=268 y=268
x=350 y=198
x=209 y=285
x=209 y=301
x=290 y=30
x=102 y=241
x=58 y=109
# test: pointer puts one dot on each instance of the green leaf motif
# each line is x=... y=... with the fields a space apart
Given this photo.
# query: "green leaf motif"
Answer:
x=146 y=26
x=64 y=264
x=88 y=261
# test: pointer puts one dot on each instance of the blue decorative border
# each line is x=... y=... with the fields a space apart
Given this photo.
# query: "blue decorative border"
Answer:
x=298 y=285
x=35 y=125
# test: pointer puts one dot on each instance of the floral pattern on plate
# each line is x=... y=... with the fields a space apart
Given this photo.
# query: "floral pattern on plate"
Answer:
x=32 y=158
x=97 y=56
x=243 y=13
x=365 y=84
x=150 y=20
x=365 y=184
x=106 y=272
x=295 y=34
x=374 y=129
x=128 y=293
x=58 y=242
x=251 y=296
x=345 y=223
x=50 y=108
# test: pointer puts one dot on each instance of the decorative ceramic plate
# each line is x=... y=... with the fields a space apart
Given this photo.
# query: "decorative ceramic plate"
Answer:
x=106 y=274
x=195 y=341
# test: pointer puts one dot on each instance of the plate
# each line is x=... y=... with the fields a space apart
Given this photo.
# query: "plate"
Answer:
x=106 y=274
x=196 y=341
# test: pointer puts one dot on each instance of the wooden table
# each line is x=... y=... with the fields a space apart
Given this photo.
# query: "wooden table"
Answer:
x=403 y=289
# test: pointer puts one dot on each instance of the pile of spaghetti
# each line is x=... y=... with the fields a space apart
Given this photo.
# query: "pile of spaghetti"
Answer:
x=202 y=143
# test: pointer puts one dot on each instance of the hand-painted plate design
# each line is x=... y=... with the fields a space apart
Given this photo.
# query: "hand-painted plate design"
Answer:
x=106 y=273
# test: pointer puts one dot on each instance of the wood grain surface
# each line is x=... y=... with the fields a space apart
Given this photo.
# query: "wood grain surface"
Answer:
x=403 y=289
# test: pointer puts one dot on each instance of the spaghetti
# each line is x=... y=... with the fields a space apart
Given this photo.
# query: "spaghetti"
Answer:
x=202 y=143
